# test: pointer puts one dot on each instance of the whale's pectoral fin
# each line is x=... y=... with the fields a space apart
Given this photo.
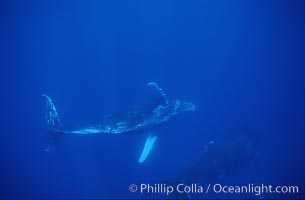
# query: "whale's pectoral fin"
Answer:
x=159 y=90
x=149 y=144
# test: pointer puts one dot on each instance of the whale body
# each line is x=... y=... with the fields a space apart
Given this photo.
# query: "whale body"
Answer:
x=132 y=121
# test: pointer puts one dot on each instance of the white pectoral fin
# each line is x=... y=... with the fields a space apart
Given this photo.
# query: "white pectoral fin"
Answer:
x=149 y=144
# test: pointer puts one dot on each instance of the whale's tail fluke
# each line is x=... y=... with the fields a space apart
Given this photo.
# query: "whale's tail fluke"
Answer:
x=53 y=122
x=52 y=118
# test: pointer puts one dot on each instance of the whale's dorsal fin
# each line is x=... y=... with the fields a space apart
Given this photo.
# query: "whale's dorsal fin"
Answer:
x=149 y=144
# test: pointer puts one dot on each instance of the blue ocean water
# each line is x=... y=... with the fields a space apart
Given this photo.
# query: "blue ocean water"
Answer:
x=239 y=62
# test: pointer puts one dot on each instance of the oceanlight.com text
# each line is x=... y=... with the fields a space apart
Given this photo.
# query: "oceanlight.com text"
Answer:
x=255 y=189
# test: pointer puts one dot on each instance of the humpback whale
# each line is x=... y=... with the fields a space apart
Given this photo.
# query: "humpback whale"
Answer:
x=222 y=157
x=134 y=121
x=225 y=156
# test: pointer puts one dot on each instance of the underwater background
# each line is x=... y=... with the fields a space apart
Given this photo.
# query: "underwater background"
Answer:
x=239 y=62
